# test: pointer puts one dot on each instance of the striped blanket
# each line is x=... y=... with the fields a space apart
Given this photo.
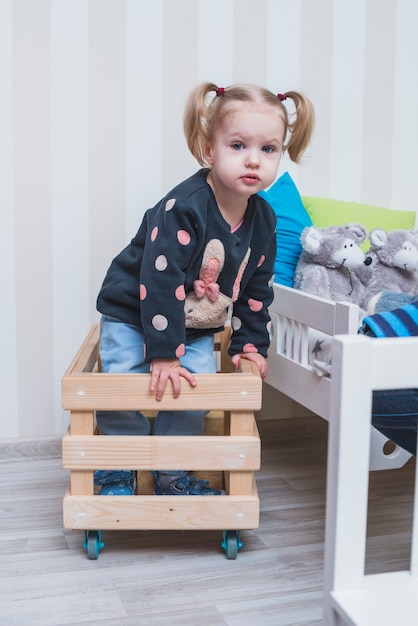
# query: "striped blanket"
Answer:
x=401 y=322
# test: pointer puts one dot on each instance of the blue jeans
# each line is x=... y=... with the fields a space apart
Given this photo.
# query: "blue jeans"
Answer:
x=122 y=351
x=395 y=414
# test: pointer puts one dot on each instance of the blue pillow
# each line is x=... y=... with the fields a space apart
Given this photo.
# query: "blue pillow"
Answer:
x=292 y=218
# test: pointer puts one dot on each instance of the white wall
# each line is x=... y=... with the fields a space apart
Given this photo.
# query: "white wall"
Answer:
x=92 y=93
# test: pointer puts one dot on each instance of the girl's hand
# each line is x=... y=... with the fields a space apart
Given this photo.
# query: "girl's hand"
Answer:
x=163 y=370
x=257 y=358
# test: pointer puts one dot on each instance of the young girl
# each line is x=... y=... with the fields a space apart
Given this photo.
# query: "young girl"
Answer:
x=207 y=246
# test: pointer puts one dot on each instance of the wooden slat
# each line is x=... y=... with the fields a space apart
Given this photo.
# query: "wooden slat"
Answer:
x=226 y=363
x=242 y=423
x=238 y=483
x=82 y=482
x=87 y=355
x=131 y=391
x=82 y=389
x=133 y=452
x=241 y=482
x=82 y=424
x=161 y=512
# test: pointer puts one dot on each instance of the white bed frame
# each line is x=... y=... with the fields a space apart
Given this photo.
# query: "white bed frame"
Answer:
x=350 y=596
x=293 y=314
x=360 y=364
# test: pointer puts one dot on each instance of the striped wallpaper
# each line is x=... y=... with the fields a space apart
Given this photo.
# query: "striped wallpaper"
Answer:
x=92 y=94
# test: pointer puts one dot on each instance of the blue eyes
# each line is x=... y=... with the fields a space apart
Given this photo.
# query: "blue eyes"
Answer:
x=237 y=145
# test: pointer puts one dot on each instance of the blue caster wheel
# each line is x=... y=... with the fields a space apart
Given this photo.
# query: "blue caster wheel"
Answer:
x=231 y=543
x=93 y=543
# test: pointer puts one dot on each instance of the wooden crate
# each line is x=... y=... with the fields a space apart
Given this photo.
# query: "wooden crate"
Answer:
x=229 y=452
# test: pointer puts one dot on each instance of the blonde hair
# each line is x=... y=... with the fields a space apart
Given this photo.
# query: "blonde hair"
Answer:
x=204 y=114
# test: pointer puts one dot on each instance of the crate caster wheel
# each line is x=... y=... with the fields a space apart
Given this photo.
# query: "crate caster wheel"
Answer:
x=93 y=543
x=231 y=543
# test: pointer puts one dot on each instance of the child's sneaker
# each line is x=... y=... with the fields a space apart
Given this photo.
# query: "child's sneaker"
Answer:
x=186 y=485
x=115 y=482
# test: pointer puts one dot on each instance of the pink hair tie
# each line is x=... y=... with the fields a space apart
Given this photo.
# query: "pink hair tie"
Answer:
x=281 y=97
x=220 y=91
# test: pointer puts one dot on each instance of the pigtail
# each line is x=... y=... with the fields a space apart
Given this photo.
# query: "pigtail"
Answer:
x=195 y=121
x=301 y=128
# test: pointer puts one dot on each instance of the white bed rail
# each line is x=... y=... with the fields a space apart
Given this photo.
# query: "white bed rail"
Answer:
x=294 y=315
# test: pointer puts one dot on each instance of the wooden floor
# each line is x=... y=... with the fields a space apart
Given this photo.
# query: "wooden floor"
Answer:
x=177 y=578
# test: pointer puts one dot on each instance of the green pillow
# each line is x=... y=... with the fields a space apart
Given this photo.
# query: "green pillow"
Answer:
x=326 y=212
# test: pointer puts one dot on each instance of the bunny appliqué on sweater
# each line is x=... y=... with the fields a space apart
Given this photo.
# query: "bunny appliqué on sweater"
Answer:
x=206 y=306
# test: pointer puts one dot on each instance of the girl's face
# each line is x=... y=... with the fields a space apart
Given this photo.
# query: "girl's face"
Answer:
x=246 y=148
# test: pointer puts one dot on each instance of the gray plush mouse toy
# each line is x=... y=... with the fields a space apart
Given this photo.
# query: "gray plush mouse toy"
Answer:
x=394 y=276
x=332 y=264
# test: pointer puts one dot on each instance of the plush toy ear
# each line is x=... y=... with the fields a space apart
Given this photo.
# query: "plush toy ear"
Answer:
x=358 y=230
x=414 y=234
x=311 y=239
x=378 y=238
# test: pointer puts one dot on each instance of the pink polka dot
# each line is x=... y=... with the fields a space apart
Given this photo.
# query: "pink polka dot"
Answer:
x=159 y=322
x=180 y=350
x=161 y=263
x=261 y=261
x=255 y=305
x=169 y=204
x=142 y=292
x=249 y=347
x=180 y=293
x=154 y=233
x=183 y=237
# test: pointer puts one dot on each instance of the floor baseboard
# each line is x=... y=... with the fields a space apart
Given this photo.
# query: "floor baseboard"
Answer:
x=25 y=448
